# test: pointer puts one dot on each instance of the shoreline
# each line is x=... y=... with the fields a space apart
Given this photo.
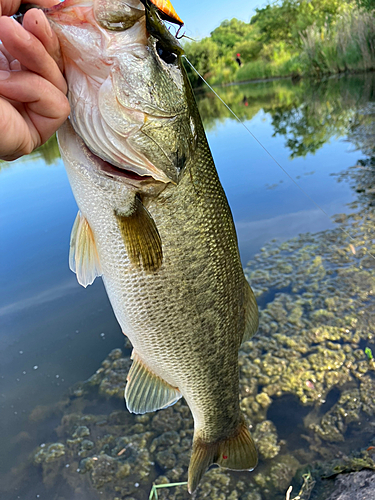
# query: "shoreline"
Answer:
x=292 y=77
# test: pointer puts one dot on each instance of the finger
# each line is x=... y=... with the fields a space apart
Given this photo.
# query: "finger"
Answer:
x=30 y=52
x=36 y=23
x=15 y=65
x=4 y=51
x=47 y=108
x=4 y=63
x=15 y=134
x=10 y=7
x=43 y=3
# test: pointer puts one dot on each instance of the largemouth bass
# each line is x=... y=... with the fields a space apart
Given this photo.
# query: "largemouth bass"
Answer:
x=154 y=221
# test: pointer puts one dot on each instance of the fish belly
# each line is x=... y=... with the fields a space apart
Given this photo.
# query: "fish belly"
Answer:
x=186 y=321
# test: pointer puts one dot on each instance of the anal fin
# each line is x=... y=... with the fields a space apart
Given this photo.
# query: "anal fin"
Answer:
x=141 y=237
x=83 y=254
x=145 y=391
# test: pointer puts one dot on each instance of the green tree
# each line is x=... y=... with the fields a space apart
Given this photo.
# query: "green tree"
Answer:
x=203 y=55
x=284 y=21
x=289 y=37
x=367 y=4
x=230 y=33
x=275 y=21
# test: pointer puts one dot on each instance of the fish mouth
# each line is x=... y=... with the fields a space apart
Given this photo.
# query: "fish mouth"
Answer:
x=126 y=174
x=75 y=151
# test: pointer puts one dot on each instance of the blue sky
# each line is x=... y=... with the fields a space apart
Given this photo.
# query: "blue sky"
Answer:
x=203 y=16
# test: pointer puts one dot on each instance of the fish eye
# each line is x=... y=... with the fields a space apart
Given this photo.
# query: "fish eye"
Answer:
x=166 y=55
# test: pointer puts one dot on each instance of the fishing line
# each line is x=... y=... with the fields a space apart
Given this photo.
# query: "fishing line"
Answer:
x=270 y=155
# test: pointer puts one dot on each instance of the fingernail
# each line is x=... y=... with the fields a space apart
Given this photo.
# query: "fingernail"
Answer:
x=4 y=75
x=15 y=65
x=20 y=31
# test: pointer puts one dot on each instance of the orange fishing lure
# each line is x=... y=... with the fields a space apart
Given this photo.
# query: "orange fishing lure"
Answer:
x=167 y=9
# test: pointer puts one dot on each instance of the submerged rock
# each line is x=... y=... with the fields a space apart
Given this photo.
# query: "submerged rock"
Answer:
x=354 y=486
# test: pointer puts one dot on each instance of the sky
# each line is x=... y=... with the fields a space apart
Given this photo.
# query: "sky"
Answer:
x=203 y=16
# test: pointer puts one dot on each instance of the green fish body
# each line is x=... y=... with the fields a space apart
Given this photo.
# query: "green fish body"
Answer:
x=155 y=223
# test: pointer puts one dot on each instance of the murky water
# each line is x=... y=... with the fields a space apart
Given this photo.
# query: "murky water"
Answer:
x=55 y=334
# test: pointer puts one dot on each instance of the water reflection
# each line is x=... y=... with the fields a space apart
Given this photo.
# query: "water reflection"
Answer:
x=307 y=114
x=315 y=292
x=361 y=176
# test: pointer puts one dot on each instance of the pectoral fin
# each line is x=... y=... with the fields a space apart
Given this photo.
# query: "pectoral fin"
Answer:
x=141 y=237
x=83 y=255
x=147 y=392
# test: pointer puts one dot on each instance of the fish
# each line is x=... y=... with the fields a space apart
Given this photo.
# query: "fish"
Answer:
x=154 y=221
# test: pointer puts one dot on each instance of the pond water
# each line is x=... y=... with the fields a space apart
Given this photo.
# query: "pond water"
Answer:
x=55 y=334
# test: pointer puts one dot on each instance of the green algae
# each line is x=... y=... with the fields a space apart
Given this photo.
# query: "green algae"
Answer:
x=277 y=476
x=266 y=440
x=50 y=453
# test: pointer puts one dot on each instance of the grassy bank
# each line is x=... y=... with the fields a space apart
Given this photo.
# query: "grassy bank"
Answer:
x=288 y=38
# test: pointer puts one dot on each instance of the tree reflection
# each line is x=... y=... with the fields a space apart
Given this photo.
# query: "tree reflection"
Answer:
x=361 y=177
x=245 y=100
x=308 y=114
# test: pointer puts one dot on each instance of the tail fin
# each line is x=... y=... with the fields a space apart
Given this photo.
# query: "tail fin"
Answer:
x=237 y=452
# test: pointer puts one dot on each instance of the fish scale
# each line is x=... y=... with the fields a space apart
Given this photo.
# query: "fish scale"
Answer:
x=165 y=246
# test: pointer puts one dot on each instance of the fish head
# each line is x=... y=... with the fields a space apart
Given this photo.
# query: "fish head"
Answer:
x=127 y=86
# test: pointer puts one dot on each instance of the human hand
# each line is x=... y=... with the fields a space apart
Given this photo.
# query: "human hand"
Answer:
x=33 y=101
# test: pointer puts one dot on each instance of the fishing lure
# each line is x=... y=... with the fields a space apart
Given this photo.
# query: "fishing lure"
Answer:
x=167 y=11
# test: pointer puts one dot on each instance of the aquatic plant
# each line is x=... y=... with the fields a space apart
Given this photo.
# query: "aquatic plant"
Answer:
x=155 y=487
x=306 y=489
x=368 y=353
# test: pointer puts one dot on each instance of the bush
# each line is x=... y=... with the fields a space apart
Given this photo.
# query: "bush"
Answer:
x=348 y=44
x=288 y=38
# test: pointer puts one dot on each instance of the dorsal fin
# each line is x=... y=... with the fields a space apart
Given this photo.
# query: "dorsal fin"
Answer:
x=83 y=255
x=145 y=391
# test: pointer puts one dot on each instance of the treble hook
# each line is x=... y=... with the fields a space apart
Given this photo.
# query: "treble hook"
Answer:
x=178 y=32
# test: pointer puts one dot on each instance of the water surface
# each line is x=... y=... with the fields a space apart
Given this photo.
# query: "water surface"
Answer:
x=55 y=334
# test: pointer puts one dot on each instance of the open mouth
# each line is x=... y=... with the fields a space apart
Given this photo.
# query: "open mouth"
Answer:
x=116 y=172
